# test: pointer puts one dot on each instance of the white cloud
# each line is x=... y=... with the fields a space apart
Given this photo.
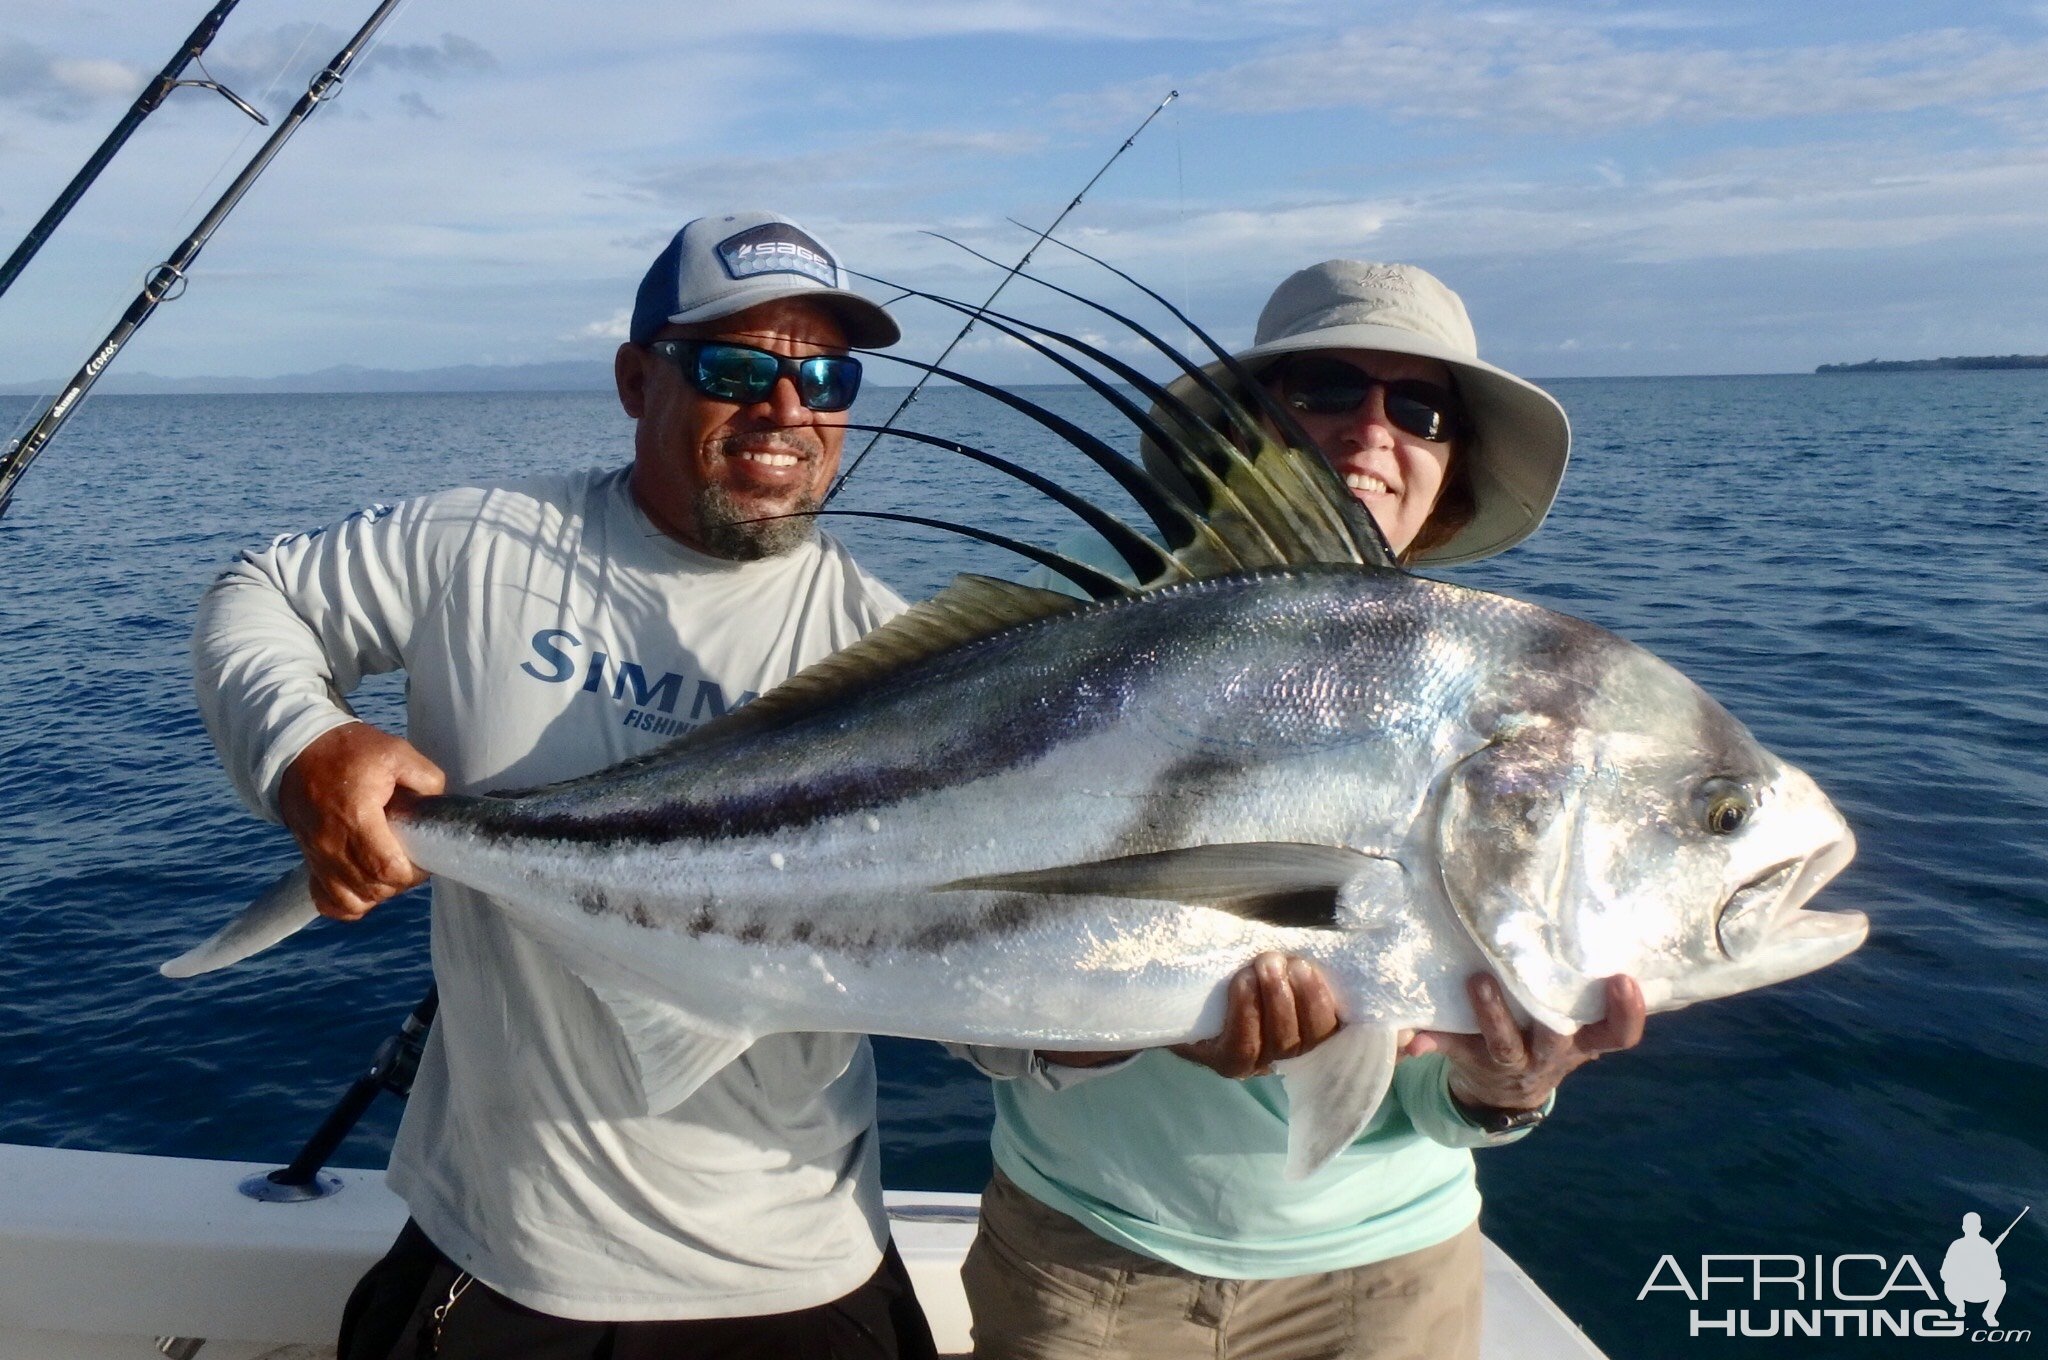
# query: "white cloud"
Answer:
x=267 y=66
x=58 y=87
x=910 y=20
x=880 y=165
x=611 y=329
x=1729 y=206
x=285 y=57
x=1839 y=196
x=452 y=54
x=1159 y=245
x=96 y=78
x=1545 y=73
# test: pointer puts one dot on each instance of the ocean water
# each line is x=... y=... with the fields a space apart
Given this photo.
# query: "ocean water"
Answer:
x=1856 y=565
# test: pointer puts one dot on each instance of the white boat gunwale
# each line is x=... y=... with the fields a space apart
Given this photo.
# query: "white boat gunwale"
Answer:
x=102 y=1253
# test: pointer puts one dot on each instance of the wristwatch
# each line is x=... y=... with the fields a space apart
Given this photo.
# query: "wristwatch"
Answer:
x=1493 y=1121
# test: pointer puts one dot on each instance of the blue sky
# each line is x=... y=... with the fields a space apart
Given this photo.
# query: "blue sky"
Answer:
x=1616 y=188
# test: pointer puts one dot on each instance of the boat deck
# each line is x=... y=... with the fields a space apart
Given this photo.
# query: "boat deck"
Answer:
x=102 y=1254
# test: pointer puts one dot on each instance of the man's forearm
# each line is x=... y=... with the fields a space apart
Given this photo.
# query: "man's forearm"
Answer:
x=289 y=629
x=264 y=685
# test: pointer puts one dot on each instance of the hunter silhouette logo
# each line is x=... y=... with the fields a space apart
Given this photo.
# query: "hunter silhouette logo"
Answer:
x=1857 y=1295
x=1970 y=1273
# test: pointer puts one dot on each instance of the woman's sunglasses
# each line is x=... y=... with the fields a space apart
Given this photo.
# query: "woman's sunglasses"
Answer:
x=1321 y=386
x=745 y=375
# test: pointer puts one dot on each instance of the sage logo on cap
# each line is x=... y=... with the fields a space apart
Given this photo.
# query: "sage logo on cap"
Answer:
x=777 y=248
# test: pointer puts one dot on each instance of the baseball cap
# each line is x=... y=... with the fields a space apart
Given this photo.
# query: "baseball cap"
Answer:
x=716 y=266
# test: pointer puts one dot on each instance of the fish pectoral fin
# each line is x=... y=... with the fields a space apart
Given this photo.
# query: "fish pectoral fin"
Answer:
x=1333 y=1091
x=674 y=1052
x=1278 y=882
x=282 y=909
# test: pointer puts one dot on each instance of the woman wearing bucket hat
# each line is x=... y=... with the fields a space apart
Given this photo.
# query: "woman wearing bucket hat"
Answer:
x=1502 y=442
x=1138 y=1206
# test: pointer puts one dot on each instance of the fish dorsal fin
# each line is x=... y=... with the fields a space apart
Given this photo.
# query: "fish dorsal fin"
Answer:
x=1216 y=483
x=1208 y=404
x=971 y=608
x=1271 y=504
x=1303 y=491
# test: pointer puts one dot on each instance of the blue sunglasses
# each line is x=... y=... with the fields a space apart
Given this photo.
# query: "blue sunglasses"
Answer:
x=745 y=375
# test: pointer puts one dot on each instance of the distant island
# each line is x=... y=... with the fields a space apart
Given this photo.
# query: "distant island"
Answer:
x=1920 y=365
x=563 y=375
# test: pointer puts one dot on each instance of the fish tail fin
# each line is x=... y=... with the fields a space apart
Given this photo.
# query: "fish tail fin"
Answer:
x=283 y=908
x=1333 y=1091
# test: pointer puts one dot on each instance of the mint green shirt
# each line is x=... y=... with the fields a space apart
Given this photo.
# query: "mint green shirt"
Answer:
x=1174 y=1162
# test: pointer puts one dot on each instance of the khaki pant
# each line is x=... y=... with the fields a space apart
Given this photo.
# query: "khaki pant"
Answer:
x=1043 y=1287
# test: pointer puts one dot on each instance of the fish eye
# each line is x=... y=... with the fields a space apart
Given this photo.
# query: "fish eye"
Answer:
x=1726 y=806
x=1725 y=816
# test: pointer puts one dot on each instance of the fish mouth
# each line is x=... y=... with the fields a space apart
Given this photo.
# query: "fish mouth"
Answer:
x=1768 y=916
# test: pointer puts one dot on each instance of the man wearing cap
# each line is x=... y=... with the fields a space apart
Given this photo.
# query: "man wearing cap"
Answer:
x=549 y=628
x=1138 y=1207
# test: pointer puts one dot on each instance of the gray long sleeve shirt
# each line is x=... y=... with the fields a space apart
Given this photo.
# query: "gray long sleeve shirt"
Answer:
x=548 y=630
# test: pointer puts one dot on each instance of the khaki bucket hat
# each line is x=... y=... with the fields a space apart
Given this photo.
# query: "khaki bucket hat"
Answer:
x=1520 y=439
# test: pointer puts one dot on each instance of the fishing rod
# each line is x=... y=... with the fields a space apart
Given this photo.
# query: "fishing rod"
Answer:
x=392 y=1069
x=146 y=103
x=2008 y=1229
x=974 y=316
x=167 y=281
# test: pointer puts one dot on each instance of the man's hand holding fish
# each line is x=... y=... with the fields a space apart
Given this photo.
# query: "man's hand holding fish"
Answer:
x=332 y=799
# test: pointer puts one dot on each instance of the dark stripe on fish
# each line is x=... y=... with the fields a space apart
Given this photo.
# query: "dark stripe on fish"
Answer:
x=857 y=937
x=1083 y=689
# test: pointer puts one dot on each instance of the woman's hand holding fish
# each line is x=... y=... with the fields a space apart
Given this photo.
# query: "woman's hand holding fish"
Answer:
x=1278 y=1008
x=336 y=797
x=1505 y=1067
